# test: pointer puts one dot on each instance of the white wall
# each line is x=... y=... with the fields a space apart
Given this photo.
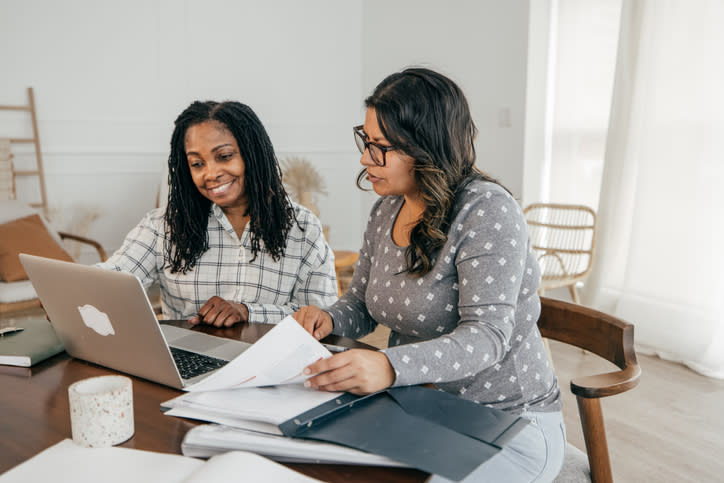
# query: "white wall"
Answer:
x=482 y=45
x=110 y=78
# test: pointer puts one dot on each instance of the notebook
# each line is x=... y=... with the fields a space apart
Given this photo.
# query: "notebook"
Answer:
x=35 y=342
x=105 y=317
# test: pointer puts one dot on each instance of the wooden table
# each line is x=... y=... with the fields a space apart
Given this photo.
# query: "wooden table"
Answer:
x=34 y=412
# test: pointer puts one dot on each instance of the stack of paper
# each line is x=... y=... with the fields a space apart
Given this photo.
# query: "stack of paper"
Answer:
x=260 y=389
x=255 y=408
x=212 y=439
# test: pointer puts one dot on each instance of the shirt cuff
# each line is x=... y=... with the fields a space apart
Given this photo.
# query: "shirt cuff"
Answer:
x=261 y=313
x=405 y=372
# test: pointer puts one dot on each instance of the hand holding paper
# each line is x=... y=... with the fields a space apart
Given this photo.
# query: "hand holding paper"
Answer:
x=359 y=371
x=279 y=357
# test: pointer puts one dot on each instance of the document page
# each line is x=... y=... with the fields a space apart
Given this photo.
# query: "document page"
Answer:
x=272 y=405
x=211 y=439
x=232 y=465
x=279 y=357
x=67 y=461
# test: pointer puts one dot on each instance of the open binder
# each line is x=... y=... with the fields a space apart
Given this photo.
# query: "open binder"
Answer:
x=413 y=426
x=424 y=428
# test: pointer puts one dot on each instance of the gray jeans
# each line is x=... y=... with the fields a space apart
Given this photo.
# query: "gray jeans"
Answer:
x=533 y=455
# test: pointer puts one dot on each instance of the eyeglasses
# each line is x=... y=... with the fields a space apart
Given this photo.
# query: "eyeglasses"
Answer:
x=377 y=151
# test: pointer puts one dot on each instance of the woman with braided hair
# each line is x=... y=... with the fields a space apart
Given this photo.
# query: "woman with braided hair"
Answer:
x=229 y=246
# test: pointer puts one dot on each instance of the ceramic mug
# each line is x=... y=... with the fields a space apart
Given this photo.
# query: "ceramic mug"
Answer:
x=101 y=411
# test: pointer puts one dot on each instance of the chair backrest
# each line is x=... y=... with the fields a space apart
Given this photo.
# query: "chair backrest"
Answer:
x=20 y=295
x=564 y=238
x=608 y=337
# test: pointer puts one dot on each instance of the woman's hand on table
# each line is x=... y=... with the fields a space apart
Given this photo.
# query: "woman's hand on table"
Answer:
x=315 y=321
x=220 y=313
x=359 y=371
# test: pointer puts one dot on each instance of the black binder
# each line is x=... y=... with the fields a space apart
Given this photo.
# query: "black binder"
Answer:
x=425 y=428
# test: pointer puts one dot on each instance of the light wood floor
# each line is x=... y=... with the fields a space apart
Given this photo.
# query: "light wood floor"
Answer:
x=668 y=429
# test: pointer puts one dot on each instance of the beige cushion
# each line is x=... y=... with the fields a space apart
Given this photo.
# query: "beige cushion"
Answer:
x=575 y=467
x=26 y=235
x=13 y=209
x=19 y=291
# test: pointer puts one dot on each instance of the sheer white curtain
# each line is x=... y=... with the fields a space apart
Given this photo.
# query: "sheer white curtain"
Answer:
x=582 y=65
x=660 y=256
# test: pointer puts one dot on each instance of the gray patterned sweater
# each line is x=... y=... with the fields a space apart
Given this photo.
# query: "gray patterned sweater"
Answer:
x=469 y=325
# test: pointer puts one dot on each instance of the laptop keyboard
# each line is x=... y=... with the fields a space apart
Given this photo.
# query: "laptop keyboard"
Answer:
x=192 y=364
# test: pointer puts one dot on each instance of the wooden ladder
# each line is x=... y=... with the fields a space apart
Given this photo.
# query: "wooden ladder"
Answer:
x=35 y=140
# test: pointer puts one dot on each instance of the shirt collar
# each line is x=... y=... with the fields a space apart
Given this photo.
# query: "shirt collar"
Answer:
x=224 y=221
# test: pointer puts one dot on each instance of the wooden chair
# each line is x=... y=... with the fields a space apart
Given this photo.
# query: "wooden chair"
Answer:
x=344 y=266
x=612 y=339
x=564 y=237
x=19 y=296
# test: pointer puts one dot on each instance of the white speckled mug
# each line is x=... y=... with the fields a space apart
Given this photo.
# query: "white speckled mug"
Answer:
x=101 y=411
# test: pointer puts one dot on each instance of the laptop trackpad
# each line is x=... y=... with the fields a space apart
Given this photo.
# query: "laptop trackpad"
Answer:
x=194 y=343
x=210 y=345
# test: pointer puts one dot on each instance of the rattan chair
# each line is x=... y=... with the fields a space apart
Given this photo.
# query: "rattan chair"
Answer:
x=564 y=238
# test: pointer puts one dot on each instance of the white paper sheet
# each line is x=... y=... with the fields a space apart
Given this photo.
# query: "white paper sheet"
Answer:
x=231 y=421
x=210 y=439
x=66 y=461
x=279 y=357
x=273 y=404
x=243 y=466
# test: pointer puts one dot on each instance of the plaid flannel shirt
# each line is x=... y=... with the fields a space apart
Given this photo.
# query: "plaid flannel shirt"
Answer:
x=270 y=289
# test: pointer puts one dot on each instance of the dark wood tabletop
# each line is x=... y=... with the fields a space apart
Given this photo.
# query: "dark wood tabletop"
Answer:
x=34 y=412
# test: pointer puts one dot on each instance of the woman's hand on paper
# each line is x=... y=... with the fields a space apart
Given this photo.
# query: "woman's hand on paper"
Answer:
x=359 y=371
x=220 y=313
x=315 y=321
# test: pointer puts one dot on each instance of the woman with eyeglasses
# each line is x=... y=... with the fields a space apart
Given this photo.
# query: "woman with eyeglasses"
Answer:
x=446 y=264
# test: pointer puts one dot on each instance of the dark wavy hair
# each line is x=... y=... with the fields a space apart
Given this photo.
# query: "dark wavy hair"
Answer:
x=187 y=212
x=425 y=115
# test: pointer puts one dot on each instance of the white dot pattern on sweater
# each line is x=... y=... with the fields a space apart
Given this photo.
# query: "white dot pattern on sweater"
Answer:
x=469 y=324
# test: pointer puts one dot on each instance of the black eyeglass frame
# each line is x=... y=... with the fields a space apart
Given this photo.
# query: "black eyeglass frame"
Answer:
x=362 y=136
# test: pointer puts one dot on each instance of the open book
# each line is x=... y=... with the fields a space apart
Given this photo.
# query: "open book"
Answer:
x=123 y=465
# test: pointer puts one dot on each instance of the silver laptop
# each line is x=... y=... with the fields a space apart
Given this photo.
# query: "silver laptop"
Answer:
x=103 y=316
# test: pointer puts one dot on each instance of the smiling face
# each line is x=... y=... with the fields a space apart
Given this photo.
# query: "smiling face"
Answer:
x=216 y=166
x=396 y=177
